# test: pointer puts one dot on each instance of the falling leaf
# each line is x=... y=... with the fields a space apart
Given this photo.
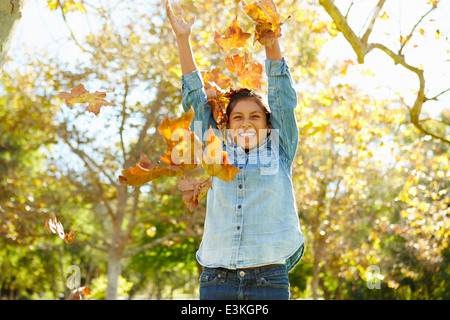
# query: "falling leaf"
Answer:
x=234 y=37
x=249 y=73
x=421 y=31
x=183 y=145
x=78 y=294
x=54 y=226
x=384 y=16
x=215 y=160
x=79 y=95
x=215 y=83
x=146 y=171
x=438 y=34
x=194 y=190
x=68 y=238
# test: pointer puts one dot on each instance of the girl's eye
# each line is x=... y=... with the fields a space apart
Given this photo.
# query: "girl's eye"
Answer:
x=236 y=117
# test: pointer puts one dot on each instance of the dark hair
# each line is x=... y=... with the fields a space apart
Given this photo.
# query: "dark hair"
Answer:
x=248 y=94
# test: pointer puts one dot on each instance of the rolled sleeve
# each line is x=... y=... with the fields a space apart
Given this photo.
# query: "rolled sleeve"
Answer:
x=192 y=81
x=276 y=68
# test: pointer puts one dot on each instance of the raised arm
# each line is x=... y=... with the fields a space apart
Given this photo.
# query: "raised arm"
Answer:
x=182 y=30
x=193 y=90
x=282 y=97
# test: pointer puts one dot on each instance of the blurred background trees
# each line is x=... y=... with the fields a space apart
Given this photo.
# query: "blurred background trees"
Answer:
x=371 y=188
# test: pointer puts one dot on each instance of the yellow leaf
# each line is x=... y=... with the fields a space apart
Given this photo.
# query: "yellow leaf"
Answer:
x=53 y=5
x=438 y=34
x=384 y=16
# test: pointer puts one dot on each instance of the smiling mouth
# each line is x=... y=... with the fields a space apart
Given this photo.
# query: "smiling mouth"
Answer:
x=247 y=135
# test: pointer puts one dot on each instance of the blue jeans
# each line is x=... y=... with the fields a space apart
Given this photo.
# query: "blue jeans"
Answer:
x=264 y=283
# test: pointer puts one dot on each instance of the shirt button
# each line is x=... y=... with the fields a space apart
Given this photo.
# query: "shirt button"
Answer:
x=239 y=206
x=238 y=227
x=240 y=186
x=242 y=273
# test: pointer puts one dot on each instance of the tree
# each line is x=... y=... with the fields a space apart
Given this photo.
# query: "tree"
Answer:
x=362 y=47
x=10 y=14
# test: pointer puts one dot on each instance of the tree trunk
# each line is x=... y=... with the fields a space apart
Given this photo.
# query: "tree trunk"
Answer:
x=317 y=256
x=10 y=14
x=114 y=271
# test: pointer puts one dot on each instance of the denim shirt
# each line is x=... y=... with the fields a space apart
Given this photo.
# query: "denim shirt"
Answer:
x=252 y=220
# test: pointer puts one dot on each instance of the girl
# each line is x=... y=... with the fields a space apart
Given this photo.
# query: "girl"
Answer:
x=252 y=236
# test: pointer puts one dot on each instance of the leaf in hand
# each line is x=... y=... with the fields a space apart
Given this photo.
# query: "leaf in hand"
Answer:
x=215 y=160
x=194 y=190
x=80 y=95
x=146 y=171
x=234 y=37
x=267 y=19
x=249 y=73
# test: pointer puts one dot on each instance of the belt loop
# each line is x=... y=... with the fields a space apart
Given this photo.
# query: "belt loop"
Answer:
x=258 y=277
x=223 y=275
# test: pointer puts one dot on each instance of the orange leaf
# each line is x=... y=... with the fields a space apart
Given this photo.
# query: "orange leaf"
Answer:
x=79 y=95
x=146 y=171
x=250 y=74
x=184 y=147
x=233 y=38
x=215 y=160
x=268 y=22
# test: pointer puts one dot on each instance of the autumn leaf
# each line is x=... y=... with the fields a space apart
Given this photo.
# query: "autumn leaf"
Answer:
x=54 y=226
x=268 y=23
x=78 y=294
x=215 y=82
x=249 y=73
x=194 y=190
x=215 y=160
x=234 y=37
x=80 y=95
x=184 y=147
x=146 y=171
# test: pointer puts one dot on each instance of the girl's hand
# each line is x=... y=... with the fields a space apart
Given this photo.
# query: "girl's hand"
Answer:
x=179 y=26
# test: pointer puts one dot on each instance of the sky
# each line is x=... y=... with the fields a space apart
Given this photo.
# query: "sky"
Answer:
x=42 y=29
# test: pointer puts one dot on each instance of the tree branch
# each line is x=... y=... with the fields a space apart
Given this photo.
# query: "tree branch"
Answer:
x=376 y=12
x=155 y=242
x=362 y=48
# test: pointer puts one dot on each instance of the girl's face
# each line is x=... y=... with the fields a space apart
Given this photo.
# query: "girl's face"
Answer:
x=248 y=124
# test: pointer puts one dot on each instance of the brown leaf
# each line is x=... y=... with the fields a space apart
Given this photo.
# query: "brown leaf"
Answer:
x=79 y=95
x=194 y=189
x=234 y=37
x=146 y=171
